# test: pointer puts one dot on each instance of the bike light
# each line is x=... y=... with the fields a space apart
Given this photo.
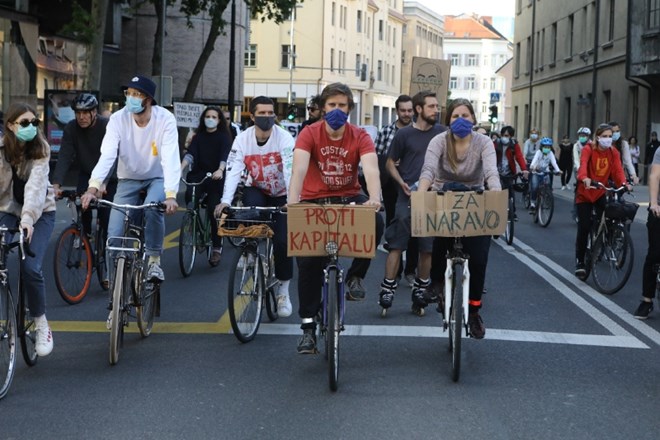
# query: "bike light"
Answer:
x=331 y=248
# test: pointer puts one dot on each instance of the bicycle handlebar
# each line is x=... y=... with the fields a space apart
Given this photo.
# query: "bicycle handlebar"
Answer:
x=207 y=176
x=597 y=185
x=23 y=244
x=150 y=205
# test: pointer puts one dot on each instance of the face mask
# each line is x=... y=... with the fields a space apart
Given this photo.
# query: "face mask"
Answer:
x=583 y=139
x=264 y=122
x=545 y=150
x=533 y=136
x=336 y=118
x=616 y=136
x=134 y=105
x=26 y=134
x=210 y=122
x=605 y=142
x=461 y=127
x=65 y=114
x=505 y=141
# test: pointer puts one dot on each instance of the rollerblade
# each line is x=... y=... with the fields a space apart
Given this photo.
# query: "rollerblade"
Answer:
x=420 y=297
x=387 y=289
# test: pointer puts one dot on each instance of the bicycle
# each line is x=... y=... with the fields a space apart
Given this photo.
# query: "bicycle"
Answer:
x=238 y=202
x=14 y=323
x=195 y=235
x=610 y=253
x=77 y=255
x=511 y=214
x=545 y=201
x=130 y=287
x=252 y=282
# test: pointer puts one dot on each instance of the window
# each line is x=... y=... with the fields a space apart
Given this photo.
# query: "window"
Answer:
x=368 y=27
x=393 y=76
x=343 y=61
x=455 y=59
x=528 y=61
x=553 y=43
x=403 y=57
x=486 y=60
x=393 y=37
x=470 y=83
x=387 y=73
x=250 y=58
x=567 y=113
x=517 y=61
x=404 y=30
x=332 y=60
x=332 y=14
x=569 y=47
x=484 y=84
x=493 y=83
x=610 y=30
x=542 y=52
x=654 y=14
x=472 y=60
x=551 y=115
x=453 y=82
x=484 y=107
x=285 y=56
x=380 y=30
x=379 y=72
x=358 y=65
x=607 y=94
x=339 y=61
x=359 y=21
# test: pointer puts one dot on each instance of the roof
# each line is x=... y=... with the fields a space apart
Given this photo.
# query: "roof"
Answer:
x=468 y=26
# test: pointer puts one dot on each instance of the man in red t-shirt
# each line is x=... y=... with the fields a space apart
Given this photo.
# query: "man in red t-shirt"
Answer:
x=325 y=170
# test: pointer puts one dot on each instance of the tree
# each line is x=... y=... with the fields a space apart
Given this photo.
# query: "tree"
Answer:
x=276 y=10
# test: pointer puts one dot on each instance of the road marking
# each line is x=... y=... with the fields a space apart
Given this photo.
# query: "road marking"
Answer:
x=171 y=240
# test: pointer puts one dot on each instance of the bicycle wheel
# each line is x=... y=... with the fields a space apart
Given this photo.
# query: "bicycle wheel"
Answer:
x=187 y=244
x=99 y=260
x=508 y=232
x=334 y=326
x=271 y=284
x=147 y=295
x=613 y=259
x=456 y=321
x=72 y=265
x=526 y=199
x=7 y=340
x=545 y=207
x=117 y=312
x=26 y=329
x=245 y=294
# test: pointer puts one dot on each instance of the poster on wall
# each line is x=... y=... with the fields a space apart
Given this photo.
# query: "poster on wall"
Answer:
x=58 y=113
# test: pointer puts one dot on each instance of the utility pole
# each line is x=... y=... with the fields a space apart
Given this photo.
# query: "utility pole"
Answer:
x=161 y=100
x=232 y=62
x=291 y=55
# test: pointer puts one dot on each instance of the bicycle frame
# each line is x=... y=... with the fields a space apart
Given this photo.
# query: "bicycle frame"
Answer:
x=333 y=264
x=194 y=210
x=456 y=255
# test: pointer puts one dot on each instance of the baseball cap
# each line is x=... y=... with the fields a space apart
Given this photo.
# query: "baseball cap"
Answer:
x=143 y=84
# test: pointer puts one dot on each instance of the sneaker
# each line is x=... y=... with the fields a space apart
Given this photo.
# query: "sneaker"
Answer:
x=216 y=253
x=108 y=322
x=642 y=312
x=105 y=284
x=155 y=273
x=283 y=306
x=563 y=187
x=476 y=326
x=515 y=217
x=581 y=271
x=307 y=343
x=44 y=343
x=355 y=290
x=532 y=206
x=410 y=279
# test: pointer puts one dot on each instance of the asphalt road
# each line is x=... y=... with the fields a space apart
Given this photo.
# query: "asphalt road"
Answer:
x=559 y=361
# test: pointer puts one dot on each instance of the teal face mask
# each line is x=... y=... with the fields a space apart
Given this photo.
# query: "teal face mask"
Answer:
x=545 y=150
x=26 y=134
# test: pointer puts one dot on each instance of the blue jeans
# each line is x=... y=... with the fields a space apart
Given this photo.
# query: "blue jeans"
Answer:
x=31 y=267
x=128 y=193
x=535 y=182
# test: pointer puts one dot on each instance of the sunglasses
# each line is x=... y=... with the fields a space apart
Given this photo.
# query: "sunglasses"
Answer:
x=24 y=123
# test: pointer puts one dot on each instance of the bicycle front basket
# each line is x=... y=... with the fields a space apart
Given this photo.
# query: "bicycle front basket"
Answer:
x=249 y=223
x=621 y=210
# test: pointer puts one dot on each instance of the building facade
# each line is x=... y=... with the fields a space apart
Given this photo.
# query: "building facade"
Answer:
x=476 y=51
x=572 y=67
x=356 y=42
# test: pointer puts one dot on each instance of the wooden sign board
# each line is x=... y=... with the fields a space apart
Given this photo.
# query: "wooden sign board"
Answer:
x=430 y=74
x=458 y=214
x=311 y=226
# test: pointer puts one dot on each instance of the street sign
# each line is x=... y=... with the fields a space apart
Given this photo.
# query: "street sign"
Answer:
x=494 y=97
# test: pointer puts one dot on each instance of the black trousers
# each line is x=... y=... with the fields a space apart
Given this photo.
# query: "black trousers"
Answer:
x=652 y=256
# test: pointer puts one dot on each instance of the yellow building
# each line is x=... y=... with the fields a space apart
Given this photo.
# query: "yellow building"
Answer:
x=356 y=42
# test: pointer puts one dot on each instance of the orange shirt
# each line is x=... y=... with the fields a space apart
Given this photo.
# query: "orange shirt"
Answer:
x=600 y=166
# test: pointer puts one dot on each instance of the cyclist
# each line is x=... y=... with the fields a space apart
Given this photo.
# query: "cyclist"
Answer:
x=598 y=163
x=208 y=153
x=543 y=159
x=265 y=149
x=462 y=156
x=142 y=138
x=26 y=198
x=532 y=145
x=81 y=143
x=624 y=151
x=408 y=149
x=508 y=153
x=653 y=254
x=335 y=141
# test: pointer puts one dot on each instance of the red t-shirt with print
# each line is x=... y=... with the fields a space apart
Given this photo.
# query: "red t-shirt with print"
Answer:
x=333 y=165
x=600 y=166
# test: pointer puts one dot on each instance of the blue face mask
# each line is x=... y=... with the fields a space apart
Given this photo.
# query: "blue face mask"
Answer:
x=210 y=123
x=336 y=118
x=134 y=105
x=461 y=127
x=26 y=134
x=616 y=136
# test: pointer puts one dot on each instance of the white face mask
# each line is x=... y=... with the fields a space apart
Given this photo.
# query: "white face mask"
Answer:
x=605 y=142
x=210 y=122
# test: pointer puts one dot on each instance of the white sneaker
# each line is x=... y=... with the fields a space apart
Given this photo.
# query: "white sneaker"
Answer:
x=563 y=187
x=44 y=343
x=283 y=306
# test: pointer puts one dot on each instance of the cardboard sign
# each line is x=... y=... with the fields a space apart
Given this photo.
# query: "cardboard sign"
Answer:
x=458 y=214
x=430 y=74
x=311 y=226
x=187 y=114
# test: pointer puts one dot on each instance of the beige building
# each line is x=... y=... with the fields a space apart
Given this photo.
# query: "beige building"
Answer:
x=356 y=42
x=423 y=35
x=570 y=69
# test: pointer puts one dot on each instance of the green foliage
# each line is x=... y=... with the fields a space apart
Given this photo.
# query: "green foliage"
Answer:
x=276 y=10
x=81 y=27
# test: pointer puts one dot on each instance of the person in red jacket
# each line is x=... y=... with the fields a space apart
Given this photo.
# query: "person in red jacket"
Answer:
x=509 y=153
x=599 y=162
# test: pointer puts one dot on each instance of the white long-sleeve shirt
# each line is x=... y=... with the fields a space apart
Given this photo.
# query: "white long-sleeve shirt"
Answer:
x=144 y=152
x=542 y=162
x=626 y=159
x=269 y=165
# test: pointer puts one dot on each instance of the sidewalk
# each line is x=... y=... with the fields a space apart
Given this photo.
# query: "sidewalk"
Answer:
x=640 y=195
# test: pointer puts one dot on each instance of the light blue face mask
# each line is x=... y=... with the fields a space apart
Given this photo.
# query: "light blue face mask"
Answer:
x=26 y=134
x=134 y=105
x=65 y=114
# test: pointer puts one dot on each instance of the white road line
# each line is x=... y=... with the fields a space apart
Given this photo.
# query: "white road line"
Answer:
x=492 y=334
x=601 y=299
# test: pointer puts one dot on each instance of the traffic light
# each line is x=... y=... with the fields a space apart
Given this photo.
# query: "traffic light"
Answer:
x=292 y=113
x=492 y=117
